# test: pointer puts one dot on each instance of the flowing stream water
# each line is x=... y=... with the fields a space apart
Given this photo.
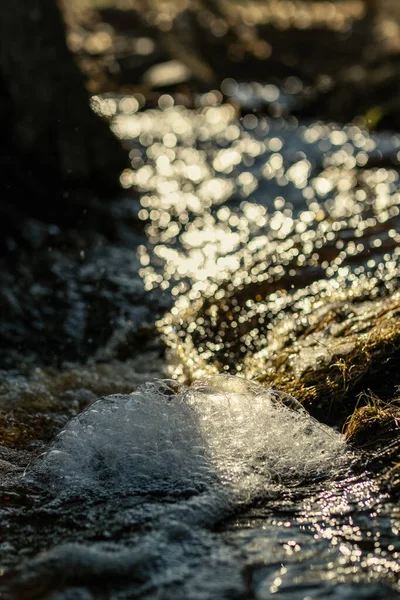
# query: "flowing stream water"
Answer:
x=219 y=488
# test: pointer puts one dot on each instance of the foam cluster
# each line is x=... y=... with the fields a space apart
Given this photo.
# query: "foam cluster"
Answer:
x=222 y=431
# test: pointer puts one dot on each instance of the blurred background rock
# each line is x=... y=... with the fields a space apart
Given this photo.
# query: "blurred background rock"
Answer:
x=338 y=49
x=58 y=162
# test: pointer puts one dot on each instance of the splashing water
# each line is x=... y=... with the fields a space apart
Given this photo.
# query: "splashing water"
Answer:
x=158 y=469
x=222 y=431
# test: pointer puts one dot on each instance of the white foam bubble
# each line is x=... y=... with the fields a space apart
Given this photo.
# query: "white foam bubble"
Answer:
x=256 y=434
x=222 y=431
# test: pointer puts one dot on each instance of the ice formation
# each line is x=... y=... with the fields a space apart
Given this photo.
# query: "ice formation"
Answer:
x=222 y=431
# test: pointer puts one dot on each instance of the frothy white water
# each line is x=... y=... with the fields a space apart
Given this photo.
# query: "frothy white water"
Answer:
x=165 y=466
x=223 y=432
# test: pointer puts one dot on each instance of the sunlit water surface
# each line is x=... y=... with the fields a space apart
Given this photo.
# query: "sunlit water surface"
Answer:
x=269 y=218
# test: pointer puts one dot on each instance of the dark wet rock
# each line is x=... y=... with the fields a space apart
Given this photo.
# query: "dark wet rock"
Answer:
x=67 y=305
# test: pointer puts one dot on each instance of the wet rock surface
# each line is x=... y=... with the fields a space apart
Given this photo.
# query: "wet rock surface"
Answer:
x=78 y=297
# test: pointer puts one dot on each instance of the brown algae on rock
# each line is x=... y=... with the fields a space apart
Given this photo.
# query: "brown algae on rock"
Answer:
x=340 y=360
